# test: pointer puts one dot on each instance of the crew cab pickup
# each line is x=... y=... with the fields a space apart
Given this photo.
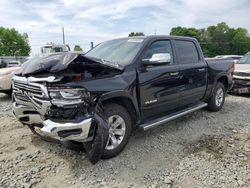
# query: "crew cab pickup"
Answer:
x=96 y=100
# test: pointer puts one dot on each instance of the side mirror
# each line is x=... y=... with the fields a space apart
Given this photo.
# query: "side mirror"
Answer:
x=158 y=59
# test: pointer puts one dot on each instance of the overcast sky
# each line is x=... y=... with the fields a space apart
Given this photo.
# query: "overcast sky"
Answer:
x=99 y=20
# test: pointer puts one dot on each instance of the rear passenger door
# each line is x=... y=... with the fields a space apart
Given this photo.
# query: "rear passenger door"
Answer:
x=193 y=72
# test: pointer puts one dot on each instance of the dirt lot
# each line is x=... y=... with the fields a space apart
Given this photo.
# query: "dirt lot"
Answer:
x=202 y=149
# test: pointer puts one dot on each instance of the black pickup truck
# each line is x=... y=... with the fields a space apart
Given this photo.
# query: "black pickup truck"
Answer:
x=96 y=100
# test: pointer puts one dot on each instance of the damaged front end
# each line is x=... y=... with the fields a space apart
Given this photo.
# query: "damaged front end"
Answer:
x=50 y=102
x=241 y=82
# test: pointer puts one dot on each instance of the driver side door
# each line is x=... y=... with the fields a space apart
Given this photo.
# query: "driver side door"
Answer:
x=159 y=84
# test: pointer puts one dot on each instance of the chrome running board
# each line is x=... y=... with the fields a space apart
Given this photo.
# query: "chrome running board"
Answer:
x=172 y=116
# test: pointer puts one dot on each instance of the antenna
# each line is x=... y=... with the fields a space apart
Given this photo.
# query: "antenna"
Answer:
x=155 y=31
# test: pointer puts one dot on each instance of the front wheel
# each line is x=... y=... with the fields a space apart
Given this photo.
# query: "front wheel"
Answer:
x=120 y=128
x=217 y=99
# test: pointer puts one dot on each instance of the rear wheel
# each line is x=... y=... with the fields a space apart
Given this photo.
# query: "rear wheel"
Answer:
x=217 y=99
x=119 y=129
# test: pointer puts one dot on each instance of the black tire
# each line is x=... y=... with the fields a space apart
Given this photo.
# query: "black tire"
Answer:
x=213 y=105
x=117 y=110
x=95 y=148
x=9 y=92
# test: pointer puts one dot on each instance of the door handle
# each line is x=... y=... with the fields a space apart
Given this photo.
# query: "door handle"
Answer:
x=174 y=73
x=201 y=69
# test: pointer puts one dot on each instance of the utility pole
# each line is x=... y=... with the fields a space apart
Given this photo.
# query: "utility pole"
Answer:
x=63 y=35
x=155 y=31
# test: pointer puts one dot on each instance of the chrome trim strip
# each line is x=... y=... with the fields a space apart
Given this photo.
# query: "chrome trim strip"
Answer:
x=33 y=79
x=47 y=79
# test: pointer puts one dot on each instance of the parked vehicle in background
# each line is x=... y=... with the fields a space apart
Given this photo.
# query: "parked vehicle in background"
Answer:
x=236 y=58
x=54 y=48
x=6 y=75
x=14 y=63
x=241 y=75
x=3 y=64
x=95 y=100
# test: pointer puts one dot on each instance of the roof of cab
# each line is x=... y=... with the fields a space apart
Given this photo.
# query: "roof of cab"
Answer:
x=148 y=37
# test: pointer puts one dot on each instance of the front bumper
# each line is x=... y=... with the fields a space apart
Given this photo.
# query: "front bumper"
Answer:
x=241 y=86
x=63 y=131
x=31 y=106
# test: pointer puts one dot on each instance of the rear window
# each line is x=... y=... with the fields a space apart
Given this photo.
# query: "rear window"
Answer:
x=187 y=52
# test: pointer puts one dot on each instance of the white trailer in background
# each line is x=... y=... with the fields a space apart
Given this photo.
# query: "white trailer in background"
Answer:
x=54 y=48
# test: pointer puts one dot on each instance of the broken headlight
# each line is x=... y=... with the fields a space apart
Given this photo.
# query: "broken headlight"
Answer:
x=67 y=96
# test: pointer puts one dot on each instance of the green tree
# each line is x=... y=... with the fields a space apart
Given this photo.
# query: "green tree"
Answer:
x=240 y=41
x=78 y=48
x=183 y=31
x=218 y=39
x=12 y=43
x=134 y=34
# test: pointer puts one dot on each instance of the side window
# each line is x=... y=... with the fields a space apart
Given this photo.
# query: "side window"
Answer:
x=158 y=47
x=187 y=52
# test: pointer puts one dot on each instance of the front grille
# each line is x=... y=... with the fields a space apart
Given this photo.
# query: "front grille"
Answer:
x=240 y=83
x=26 y=92
x=244 y=74
x=28 y=88
x=21 y=96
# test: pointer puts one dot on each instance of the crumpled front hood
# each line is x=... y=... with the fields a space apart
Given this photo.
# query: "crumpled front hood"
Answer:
x=242 y=68
x=56 y=62
x=52 y=63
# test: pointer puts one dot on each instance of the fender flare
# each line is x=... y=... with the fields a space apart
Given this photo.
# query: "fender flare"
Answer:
x=122 y=94
x=218 y=77
x=216 y=81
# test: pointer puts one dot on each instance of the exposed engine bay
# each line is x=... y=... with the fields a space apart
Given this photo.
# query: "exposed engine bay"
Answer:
x=50 y=100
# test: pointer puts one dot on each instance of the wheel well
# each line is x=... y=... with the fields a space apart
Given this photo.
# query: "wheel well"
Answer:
x=127 y=104
x=224 y=80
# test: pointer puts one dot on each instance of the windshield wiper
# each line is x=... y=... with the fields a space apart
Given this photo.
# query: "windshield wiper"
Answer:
x=106 y=62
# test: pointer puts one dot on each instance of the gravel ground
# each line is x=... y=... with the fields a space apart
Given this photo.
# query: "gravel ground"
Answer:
x=202 y=149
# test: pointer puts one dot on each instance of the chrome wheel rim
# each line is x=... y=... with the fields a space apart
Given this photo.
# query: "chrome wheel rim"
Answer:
x=219 y=97
x=117 y=130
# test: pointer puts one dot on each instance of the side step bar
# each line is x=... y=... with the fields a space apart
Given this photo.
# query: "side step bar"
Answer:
x=172 y=116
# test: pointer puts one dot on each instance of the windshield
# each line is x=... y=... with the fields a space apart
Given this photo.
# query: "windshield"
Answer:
x=245 y=59
x=120 y=51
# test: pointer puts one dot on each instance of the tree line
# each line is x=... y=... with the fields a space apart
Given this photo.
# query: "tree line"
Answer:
x=218 y=39
x=12 y=43
x=215 y=40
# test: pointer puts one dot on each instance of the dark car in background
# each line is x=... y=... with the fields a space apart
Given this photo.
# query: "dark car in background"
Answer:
x=3 y=64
